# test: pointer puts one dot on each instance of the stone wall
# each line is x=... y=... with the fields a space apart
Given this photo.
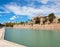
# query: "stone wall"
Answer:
x=43 y=19
x=2 y=32
x=37 y=26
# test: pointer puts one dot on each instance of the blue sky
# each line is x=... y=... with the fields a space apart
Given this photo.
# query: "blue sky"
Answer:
x=22 y=10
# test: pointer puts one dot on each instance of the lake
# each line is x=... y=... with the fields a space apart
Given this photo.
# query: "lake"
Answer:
x=33 y=37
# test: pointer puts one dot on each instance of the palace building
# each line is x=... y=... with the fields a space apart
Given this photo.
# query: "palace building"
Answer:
x=43 y=20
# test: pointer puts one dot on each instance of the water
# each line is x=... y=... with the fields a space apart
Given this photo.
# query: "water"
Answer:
x=33 y=38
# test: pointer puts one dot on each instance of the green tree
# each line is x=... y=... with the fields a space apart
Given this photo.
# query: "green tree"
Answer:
x=59 y=20
x=45 y=19
x=37 y=20
x=51 y=17
x=29 y=20
x=8 y=24
x=22 y=22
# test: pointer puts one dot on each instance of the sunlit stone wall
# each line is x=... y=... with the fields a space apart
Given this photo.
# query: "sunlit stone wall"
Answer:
x=2 y=32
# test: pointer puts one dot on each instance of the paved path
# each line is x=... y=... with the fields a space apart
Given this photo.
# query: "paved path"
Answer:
x=4 y=43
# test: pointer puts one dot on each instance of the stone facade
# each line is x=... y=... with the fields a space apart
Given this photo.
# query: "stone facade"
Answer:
x=55 y=20
x=40 y=20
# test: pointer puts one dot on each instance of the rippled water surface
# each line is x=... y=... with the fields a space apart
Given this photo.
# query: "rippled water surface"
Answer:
x=33 y=38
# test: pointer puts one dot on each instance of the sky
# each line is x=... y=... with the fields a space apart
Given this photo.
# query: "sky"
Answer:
x=22 y=10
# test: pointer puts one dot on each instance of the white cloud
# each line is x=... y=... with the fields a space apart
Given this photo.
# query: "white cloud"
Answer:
x=31 y=11
x=13 y=18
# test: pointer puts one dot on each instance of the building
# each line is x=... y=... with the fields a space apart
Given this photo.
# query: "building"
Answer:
x=43 y=20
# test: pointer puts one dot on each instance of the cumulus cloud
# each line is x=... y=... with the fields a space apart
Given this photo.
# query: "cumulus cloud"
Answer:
x=18 y=10
x=31 y=11
x=13 y=18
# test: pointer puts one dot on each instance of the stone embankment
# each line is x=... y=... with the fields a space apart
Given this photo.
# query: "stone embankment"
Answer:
x=36 y=26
